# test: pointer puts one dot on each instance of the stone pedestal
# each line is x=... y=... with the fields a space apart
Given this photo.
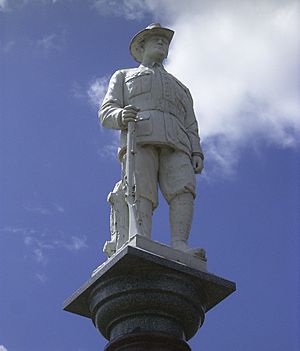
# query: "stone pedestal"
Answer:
x=147 y=342
x=139 y=300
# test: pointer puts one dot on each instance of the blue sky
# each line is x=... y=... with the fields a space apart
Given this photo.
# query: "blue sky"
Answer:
x=241 y=62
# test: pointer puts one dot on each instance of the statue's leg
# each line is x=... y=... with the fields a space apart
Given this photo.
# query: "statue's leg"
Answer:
x=181 y=216
x=145 y=211
x=146 y=186
x=177 y=183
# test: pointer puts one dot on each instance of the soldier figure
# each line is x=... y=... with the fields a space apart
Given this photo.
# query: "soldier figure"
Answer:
x=168 y=151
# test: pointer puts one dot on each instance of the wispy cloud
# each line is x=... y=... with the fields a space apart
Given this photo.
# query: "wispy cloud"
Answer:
x=48 y=42
x=58 y=208
x=41 y=277
x=3 y=8
x=110 y=151
x=16 y=230
x=36 y=209
x=96 y=90
x=7 y=47
x=130 y=9
x=74 y=243
x=2 y=348
x=78 y=91
x=39 y=255
x=92 y=92
x=41 y=242
x=10 y=5
x=50 y=209
x=51 y=42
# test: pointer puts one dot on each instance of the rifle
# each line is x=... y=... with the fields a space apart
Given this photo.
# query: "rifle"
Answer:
x=134 y=226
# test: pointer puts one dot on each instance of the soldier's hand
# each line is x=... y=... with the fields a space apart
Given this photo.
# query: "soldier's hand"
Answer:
x=197 y=164
x=129 y=114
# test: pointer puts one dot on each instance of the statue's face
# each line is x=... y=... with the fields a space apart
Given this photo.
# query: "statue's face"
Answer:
x=155 y=48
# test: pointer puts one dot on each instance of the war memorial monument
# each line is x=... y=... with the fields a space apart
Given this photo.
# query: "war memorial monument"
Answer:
x=147 y=295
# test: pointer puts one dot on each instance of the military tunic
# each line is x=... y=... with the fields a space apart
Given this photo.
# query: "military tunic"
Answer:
x=168 y=129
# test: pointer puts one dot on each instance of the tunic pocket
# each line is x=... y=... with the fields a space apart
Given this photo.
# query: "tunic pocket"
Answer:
x=144 y=127
x=138 y=84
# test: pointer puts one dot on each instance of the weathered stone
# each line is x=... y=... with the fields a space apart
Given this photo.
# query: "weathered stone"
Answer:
x=160 y=141
x=147 y=295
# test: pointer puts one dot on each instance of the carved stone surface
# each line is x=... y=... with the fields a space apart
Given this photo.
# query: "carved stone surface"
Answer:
x=159 y=143
x=139 y=292
x=148 y=296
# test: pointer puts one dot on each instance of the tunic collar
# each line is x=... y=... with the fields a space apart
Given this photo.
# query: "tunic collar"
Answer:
x=152 y=65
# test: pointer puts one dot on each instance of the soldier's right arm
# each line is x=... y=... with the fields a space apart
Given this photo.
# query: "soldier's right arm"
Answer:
x=110 y=112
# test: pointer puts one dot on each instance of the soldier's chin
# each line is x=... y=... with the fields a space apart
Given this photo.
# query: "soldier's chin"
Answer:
x=160 y=55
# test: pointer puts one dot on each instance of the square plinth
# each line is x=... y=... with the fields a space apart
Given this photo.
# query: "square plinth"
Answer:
x=165 y=251
x=130 y=257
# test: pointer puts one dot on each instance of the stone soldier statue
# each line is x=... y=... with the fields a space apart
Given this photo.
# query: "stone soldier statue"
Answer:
x=168 y=151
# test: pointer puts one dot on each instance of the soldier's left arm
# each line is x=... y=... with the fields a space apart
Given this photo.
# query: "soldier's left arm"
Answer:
x=191 y=126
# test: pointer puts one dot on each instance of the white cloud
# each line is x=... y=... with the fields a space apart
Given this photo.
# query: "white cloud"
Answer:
x=37 y=209
x=6 y=5
x=241 y=63
x=14 y=230
x=47 y=42
x=108 y=151
x=52 y=42
x=111 y=150
x=42 y=246
x=93 y=92
x=2 y=348
x=130 y=9
x=58 y=208
x=96 y=90
x=49 y=209
x=39 y=255
x=75 y=243
x=77 y=91
x=41 y=242
x=6 y=47
x=42 y=277
x=3 y=8
x=240 y=60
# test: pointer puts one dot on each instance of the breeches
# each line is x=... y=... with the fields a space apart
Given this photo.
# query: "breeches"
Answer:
x=172 y=170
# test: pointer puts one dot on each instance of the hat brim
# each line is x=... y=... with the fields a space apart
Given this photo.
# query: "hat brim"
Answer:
x=135 y=45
